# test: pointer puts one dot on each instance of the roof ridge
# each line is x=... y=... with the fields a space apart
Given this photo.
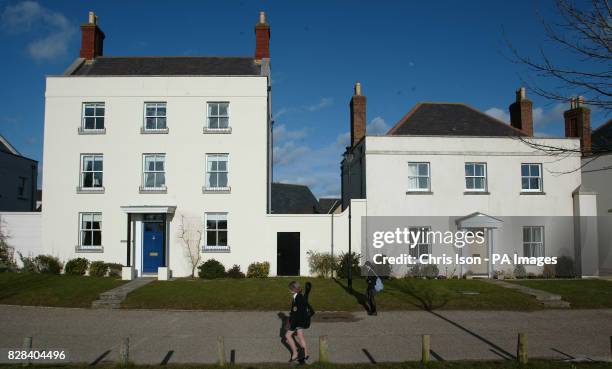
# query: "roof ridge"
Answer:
x=175 y=57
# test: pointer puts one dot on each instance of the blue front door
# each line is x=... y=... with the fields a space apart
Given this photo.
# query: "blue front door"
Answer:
x=152 y=246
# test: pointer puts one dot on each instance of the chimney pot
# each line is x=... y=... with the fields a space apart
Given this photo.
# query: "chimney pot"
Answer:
x=262 y=38
x=92 y=38
x=578 y=123
x=521 y=112
x=358 y=115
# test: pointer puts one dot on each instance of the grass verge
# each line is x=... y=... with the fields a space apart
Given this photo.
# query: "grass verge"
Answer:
x=327 y=295
x=580 y=293
x=53 y=290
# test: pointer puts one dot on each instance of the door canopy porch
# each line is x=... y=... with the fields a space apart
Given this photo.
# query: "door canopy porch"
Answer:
x=149 y=209
x=478 y=220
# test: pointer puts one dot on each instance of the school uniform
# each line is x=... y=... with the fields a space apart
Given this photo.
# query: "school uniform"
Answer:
x=299 y=317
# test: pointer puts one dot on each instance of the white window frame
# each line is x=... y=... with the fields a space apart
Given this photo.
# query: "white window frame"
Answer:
x=217 y=247
x=155 y=172
x=531 y=244
x=156 y=105
x=474 y=176
x=92 y=230
x=418 y=176
x=82 y=172
x=416 y=251
x=95 y=105
x=529 y=177
x=208 y=128
x=207 y=185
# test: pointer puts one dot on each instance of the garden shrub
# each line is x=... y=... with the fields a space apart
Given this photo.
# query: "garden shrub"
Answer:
x=345 y=261
x=258 y=270
x=114 y=269
x=431 y=271
x=98 y=269
x=7 y=258
x=322 y=264
x=565 y=267
x=76 y=266
x=47 y=264
x=548 y=272
x=416 y=271
x=234 y=272
x=211 y=269
x=519 y=271
x=28 y=263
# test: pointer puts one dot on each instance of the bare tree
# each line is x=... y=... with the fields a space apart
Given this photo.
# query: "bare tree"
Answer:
x=585 y=32
x=190 y=233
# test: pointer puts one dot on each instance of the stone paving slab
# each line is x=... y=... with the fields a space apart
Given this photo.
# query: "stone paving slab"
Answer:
x=191 y=336
x=546 y=298
x=112 y=299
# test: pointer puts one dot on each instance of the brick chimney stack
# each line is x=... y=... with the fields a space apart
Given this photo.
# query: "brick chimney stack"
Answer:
x=262 y=38
x=358 y=115
x=578 y=123
x=92 y=38
x=521 y=113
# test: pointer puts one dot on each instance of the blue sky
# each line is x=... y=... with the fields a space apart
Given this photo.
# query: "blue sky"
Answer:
x=402 y=53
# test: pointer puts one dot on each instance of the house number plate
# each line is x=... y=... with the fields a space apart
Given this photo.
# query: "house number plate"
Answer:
x=153 y=254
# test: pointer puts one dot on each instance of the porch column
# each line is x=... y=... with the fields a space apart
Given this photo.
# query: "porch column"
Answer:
x=129 y=240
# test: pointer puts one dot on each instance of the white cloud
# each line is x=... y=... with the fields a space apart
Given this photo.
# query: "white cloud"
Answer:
x=289 y=152
x=281 y=133
x=323 y=103
x=30 y=16
x=499 y=114
x=377 y=126
x=541 y=116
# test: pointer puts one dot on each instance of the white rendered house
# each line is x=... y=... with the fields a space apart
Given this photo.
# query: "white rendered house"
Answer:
x=450 y=167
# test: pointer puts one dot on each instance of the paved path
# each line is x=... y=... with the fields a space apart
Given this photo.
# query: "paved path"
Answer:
x=190 y=336
x=112 y=299
x=546 y=298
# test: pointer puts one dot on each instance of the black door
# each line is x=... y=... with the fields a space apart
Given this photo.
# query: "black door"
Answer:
x=288 y=253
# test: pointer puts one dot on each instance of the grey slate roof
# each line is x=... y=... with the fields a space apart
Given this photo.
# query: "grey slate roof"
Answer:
x=328 y=205
x=450 y=119
x=293 y=199
x=169 y=66
x=601 y=138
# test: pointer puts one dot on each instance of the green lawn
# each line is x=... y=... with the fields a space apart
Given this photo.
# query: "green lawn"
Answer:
x=581 y=293
x=327 y=295
x=53 y=290
x=534 y=364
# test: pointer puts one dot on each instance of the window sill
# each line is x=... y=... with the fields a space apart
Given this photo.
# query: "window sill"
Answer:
x=152 y=190
x=83 y=131
x=210 y=249
x=419 y=193
x=476 y=193
x=532 y=193
x=207 y=130
x=88 y=249
x=216 y=189
x=90 y=189
x=145 y=131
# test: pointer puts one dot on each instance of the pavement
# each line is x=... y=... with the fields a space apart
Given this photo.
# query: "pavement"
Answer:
x=160 y=337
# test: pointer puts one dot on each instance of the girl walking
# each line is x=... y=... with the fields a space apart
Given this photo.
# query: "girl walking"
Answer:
x=299 y=319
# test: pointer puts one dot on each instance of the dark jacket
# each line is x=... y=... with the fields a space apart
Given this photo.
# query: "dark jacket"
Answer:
x=301 y=311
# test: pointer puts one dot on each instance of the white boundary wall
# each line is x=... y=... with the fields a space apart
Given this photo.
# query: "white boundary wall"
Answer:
x=24 y=232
